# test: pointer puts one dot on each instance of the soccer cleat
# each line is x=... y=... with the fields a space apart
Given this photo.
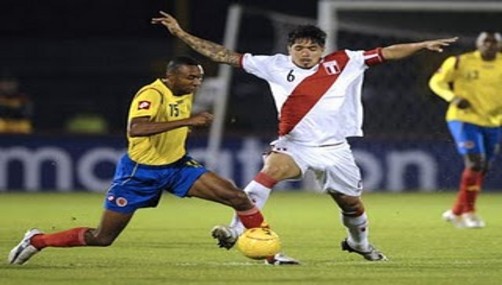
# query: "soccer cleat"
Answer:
x=465 y=221
x=372 y=254
x=281 y=259
x=472 y=221
x=225 y=236
x=448 y=216
x=24 y=250
x=455 y=220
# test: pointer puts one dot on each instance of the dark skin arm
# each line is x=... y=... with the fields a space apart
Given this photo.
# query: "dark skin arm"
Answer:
x=142 y=126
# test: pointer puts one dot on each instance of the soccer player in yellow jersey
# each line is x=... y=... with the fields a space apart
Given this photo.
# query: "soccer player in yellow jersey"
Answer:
x=472 y=83
x=156 y=161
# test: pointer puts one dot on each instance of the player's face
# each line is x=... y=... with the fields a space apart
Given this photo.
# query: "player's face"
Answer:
x=488 y=44
x=305 y=53
x=186 y=79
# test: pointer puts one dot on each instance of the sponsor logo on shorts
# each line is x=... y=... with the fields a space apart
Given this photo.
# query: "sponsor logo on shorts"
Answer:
x=144 y=105
x=121 y=202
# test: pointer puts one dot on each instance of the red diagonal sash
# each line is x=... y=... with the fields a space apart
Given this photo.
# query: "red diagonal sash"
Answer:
x=308 y=92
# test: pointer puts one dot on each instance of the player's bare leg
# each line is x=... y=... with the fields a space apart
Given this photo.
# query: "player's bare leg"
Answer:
x=355 y=220
x=112 y=224
x=110 y=227
x=278 y=166
x=214 y=188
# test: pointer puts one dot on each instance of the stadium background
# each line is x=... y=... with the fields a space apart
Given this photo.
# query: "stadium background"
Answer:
x=79 y=56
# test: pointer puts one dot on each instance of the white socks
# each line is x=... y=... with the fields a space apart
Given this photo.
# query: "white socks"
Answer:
x=259 y=195
x=357 y=230
x=357 y=227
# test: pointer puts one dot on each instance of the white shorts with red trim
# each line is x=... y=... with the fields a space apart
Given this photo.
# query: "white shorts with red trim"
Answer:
x=334 y=165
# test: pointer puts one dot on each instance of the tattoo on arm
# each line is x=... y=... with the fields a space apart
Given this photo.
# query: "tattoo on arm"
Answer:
x=213 y=51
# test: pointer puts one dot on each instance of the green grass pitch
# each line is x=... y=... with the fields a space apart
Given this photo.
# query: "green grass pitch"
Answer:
x=171 y=244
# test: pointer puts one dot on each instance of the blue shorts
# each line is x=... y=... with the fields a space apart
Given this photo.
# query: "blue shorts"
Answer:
x=474 y=139
x=137 y=185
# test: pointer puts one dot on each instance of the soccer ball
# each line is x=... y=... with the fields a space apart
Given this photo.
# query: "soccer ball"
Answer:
x=259 y=243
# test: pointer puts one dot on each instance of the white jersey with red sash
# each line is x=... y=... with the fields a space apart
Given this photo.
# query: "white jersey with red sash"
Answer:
x=316 y=106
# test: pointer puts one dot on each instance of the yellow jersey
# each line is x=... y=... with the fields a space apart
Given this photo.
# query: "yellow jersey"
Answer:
x=480 y=82
x=158 y=102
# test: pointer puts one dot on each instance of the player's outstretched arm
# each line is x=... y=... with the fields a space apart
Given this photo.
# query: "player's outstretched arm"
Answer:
x=213 y=51
x=400 y=51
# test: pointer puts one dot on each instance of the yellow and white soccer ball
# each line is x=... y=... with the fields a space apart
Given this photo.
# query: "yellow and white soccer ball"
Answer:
x=259 y=243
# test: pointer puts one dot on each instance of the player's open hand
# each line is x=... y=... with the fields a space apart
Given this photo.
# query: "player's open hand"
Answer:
x=168 y=21
x=201 y=120
x=437 y=45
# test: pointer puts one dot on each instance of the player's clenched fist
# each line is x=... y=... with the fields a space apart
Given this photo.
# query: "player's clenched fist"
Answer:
x=201 y=119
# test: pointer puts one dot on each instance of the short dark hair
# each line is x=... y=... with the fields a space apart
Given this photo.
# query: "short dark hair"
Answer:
x=311 y=32
x=178 y=61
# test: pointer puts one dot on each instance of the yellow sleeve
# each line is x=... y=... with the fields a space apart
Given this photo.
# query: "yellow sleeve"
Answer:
x=440 y=81
x=145 y=104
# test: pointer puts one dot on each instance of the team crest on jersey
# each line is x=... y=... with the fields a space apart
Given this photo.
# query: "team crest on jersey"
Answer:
x=144 y=105
x=121 y=202
x=331 y=67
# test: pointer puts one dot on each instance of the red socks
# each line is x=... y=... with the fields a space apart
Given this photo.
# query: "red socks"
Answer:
x=470 y=186
x=265 y=180
x=69 y=238
x=251 y=218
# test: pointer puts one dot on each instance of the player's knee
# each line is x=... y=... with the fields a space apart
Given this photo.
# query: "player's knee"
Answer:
x=350 y=205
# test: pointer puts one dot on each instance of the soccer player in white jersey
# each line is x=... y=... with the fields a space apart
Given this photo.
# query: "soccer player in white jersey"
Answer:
x=318 y=99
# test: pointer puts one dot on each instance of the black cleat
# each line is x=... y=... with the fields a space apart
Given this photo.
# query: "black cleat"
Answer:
x=372 y=254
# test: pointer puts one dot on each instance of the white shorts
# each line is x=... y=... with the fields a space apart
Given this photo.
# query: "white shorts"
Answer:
x=334 y=166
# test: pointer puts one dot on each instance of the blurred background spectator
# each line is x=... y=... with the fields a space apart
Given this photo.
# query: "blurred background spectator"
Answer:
x=16 y=108
x=87 y=121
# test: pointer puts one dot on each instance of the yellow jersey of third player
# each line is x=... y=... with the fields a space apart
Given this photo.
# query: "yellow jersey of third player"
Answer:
x=480 y=82
x=158 y=102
